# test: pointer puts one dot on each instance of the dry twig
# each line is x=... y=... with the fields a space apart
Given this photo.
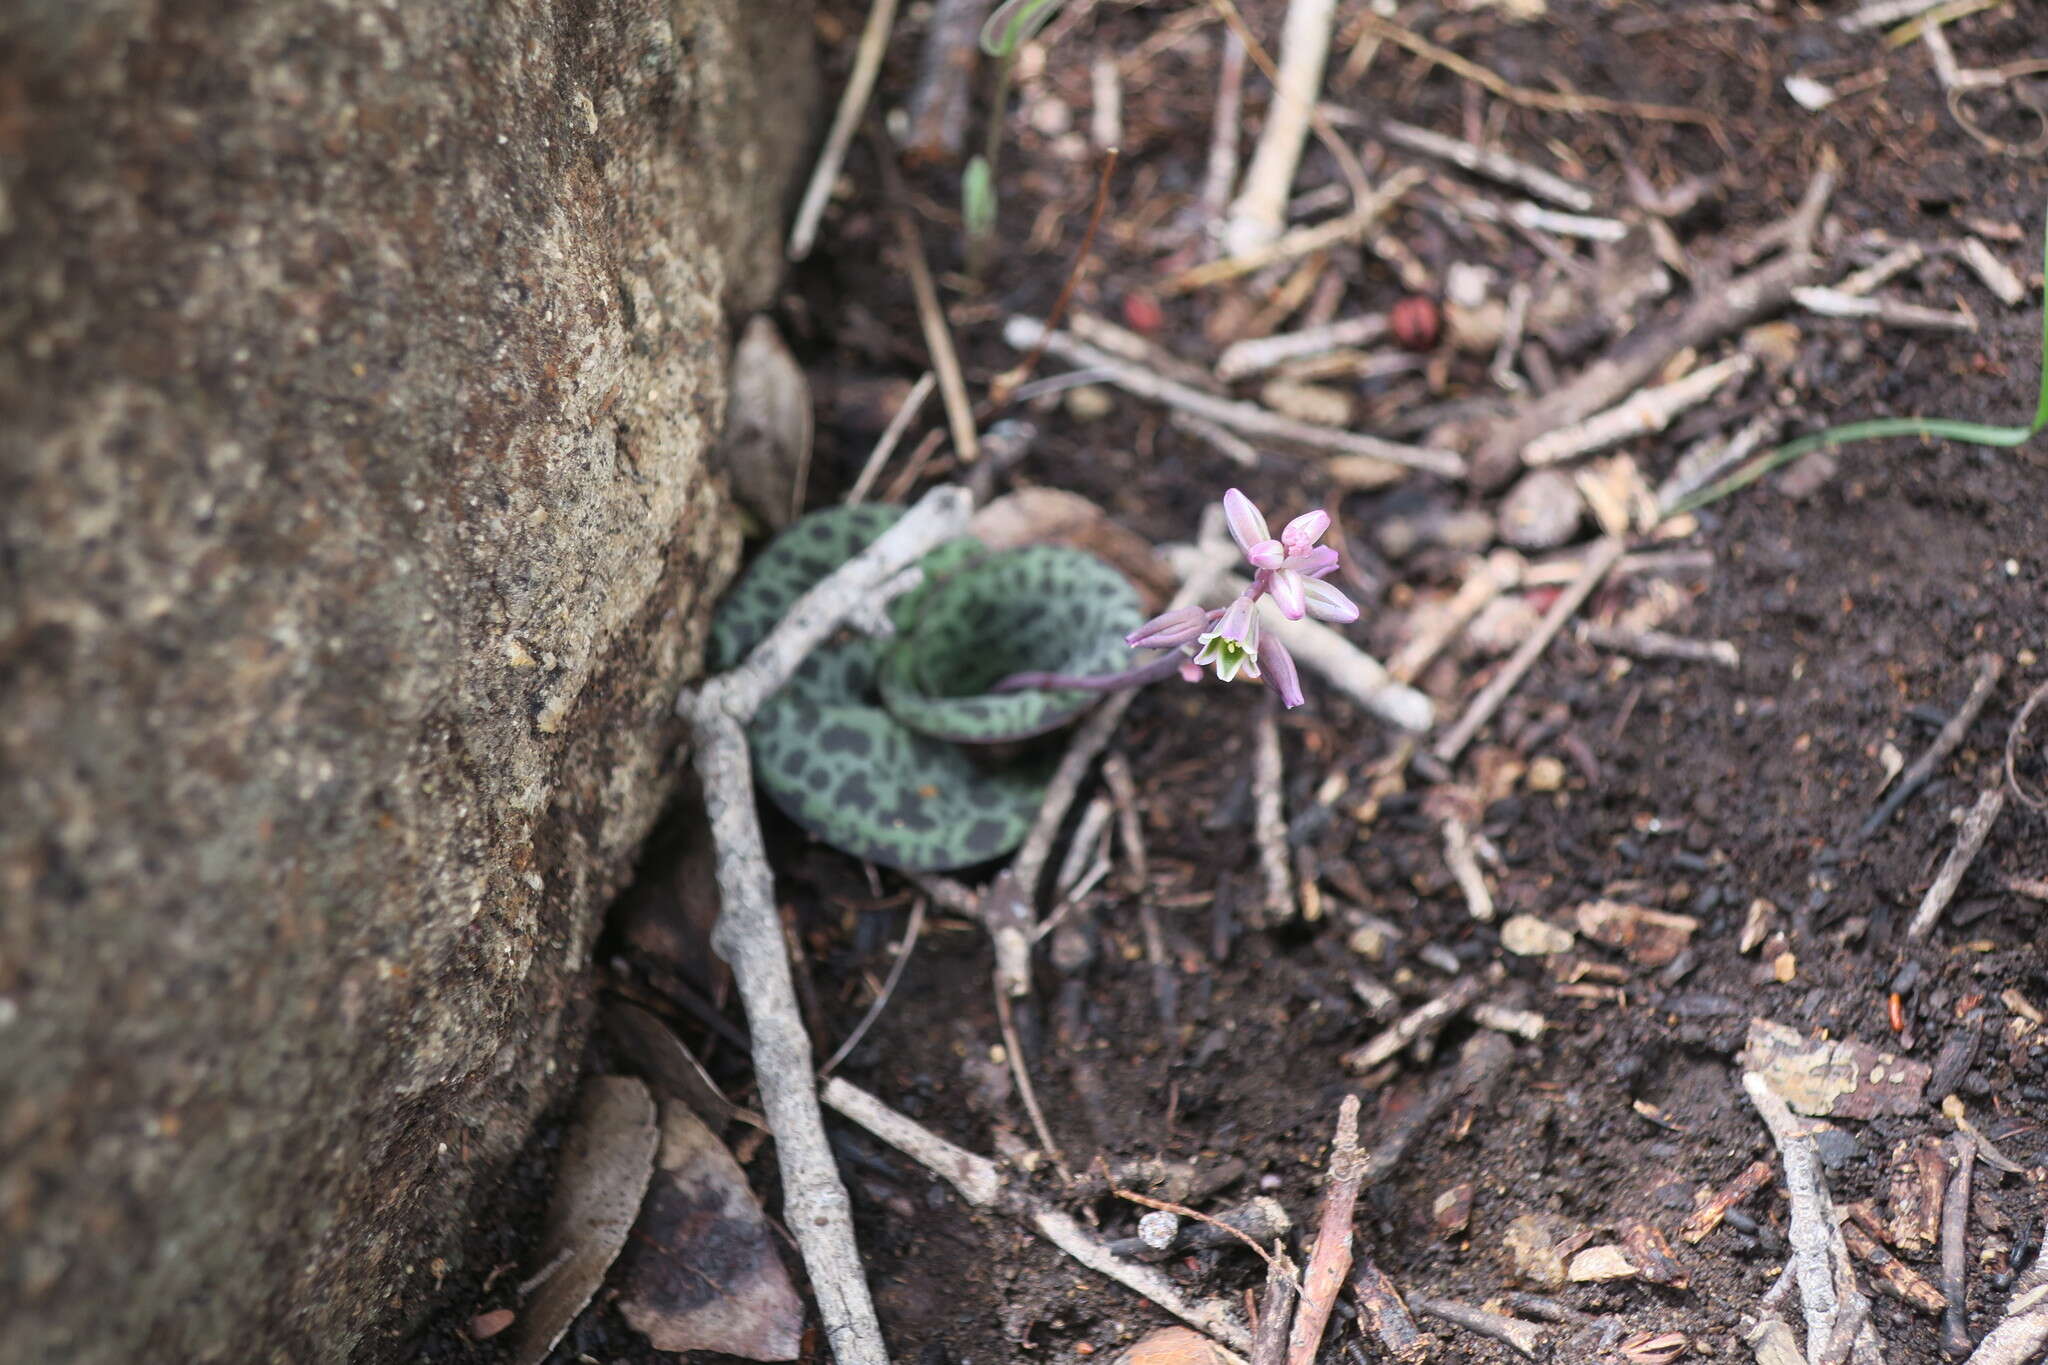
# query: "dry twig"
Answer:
x=892 y=435
x=1990 y=668
x=1955 y=1249
x=982 y=1184
x=1249 y=419
x=1970 y=839
x=1494 y=165
x=1330 y=1263
x=1714 y=313
x=1606 y=552
x=749 y=932
x=1260 y=210
x=853 y=102
x=1525 y=1337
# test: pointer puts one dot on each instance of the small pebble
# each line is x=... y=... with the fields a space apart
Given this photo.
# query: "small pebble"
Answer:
x=1542 y=511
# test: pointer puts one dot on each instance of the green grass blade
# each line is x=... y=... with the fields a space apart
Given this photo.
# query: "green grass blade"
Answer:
x=1939 y=428
x=1011 y=26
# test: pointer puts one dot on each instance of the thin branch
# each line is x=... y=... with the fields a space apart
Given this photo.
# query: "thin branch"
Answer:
x=982 y=1184
x=860 y=1030
x=749 y=931
x=931 y=318
x=1249 y=419
x=892 y=436
x=1969 y=842
x=1606 y=553
x=853 y=102
x=1990 y=668
x=1330 y=1263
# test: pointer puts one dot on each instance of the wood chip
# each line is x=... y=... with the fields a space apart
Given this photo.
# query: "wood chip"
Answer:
x=1838 y=1078
x=1651 y=938
x=1606 y=1262
x=1919 y=1182
x=1709 y=1214
x=1529 y=936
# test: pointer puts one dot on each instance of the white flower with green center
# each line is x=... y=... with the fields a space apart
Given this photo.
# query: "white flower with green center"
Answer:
x=1233 y=646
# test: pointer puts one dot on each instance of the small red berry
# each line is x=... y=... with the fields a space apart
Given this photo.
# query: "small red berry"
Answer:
x=1414 y=322
x=1143 y=313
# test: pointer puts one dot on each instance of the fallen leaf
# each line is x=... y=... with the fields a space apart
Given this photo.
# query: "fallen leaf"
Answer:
x=607 y=1159
x=766 y=447
x=703 y=1273
x=659 y=1055
x=1653 y=1348
x=1838 y=1078
x=1173 y=1346
x=1651 y=938
x=1053 y=516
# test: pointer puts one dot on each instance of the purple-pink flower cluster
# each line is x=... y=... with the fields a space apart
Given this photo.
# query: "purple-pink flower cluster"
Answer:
x=1290 y=570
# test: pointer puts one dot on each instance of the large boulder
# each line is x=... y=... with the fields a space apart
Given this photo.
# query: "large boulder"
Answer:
x=358 y=365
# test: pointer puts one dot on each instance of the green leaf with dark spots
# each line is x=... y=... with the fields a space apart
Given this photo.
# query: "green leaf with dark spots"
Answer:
x=794 y=563
x=1040 y=609
x=853 y=775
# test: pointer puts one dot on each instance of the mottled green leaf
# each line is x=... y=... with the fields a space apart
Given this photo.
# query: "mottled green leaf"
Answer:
x=1040 y=609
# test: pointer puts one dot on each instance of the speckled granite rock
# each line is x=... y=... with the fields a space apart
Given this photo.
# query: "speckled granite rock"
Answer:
x=358 y=366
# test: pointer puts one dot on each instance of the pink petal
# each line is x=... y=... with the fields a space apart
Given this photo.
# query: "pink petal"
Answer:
x=1267 y=554
x=1280 y=674
x=1314 y=563
x=1325 y=603
x=1287 y=593
x=1247 y=526
x=1305 y=530
x=1190 y=671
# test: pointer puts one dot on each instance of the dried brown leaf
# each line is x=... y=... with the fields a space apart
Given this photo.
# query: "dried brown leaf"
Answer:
x=607 y=1159
x=702 y=1273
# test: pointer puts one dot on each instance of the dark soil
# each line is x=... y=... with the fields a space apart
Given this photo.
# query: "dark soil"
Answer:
x=1858 y=607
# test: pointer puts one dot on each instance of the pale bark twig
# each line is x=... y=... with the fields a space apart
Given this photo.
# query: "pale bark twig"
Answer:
x=982 y=1184
x=1248 y=419
x=892 y=436
x=1976 y=828
x=1480 y=709
x=1260 y=210
x=853 y=102
x=749 y=931
x=1486 y=161
x=1713 y=314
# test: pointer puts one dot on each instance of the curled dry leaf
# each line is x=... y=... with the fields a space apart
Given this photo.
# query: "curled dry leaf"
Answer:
x=607 y=1159
x=1052 y=516
x=1834 y=1078
x=766 y=447
x=702 y=1273
x=1653 y=1348
x=660 y=1056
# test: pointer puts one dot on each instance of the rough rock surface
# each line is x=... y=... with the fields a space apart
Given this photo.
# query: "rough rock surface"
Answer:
x=358 y=364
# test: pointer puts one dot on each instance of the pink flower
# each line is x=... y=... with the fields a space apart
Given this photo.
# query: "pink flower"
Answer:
x=1288 y=566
